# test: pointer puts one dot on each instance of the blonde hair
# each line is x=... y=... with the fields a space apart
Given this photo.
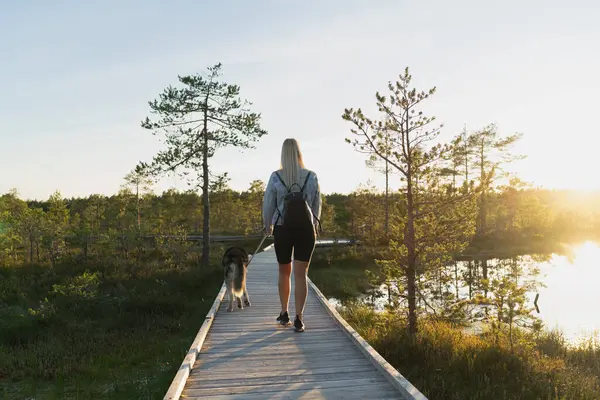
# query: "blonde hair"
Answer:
x=291 y=162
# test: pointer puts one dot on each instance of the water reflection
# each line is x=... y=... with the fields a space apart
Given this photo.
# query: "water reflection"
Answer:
x=572 y=291
x=568 y=292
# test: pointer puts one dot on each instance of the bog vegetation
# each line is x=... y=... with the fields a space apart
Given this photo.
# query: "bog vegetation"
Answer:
x=101 y=296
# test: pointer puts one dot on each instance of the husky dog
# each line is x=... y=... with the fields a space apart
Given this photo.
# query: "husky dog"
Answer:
x=235 y=261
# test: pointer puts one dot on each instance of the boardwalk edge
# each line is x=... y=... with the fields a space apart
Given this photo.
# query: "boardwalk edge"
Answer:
x=400 y=382
x=183 y=373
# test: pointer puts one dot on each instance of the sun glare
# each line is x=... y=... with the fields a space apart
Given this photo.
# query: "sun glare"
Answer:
x=587 y=253
x=571 y=291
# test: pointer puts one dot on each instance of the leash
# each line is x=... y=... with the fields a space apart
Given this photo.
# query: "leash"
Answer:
x=257 y=249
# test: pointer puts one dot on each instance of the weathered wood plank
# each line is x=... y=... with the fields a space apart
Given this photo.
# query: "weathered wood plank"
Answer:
x=253 y=317
x=268 y=331
x=295 y=370
x=266 y=388
x=367 y=392
x=259 y=334
x=275 y=349
x=247 y=355
x=246 y=381
x=318 y=342
x=287 y=363
x=283 y=354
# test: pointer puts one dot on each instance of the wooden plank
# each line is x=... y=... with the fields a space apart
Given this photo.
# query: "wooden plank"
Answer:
x=260 y=323
x=296 y=370
x=266 y=349
x=249 y=320
x=242 y=338
x=287 y=355
x=288 y=362
x=280 y=343
x=256 y=323
x=284 y=353
x=278 y=387
x=236 y=319
x=209 y=382
x=269 y=330
x=254 y=327
x=367 y=392
x=250 y=358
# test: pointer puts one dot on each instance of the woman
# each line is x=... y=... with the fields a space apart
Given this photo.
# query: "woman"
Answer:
x=291 y=177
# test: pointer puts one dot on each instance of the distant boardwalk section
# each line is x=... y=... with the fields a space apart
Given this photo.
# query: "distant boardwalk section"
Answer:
x=244 y=354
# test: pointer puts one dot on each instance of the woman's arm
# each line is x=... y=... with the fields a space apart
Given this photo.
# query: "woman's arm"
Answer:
x=269 y=203
x=316 y=202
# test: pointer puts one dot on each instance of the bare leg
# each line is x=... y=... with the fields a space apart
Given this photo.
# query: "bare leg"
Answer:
x=301 y=287
x=285 y=271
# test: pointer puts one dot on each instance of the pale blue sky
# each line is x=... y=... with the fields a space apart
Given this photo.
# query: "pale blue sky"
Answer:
x=76 y=76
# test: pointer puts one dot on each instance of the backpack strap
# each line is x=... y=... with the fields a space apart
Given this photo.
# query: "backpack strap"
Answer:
x=290 y=188
x=277 y=208
x=305 y=181
x=281 y=180
x=313 y=214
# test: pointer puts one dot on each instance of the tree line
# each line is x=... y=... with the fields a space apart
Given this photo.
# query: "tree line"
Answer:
x=516 y=213
x=36 y=230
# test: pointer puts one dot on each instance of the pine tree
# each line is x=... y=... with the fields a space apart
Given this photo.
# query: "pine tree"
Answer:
x=197 y=119
x=436 y=220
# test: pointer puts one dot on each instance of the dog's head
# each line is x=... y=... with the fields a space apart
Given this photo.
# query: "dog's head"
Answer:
x=235 y=255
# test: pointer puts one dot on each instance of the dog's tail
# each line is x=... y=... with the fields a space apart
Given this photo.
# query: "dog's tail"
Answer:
x=238 y=281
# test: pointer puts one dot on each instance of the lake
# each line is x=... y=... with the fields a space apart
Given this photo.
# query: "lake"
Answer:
x=570 y=292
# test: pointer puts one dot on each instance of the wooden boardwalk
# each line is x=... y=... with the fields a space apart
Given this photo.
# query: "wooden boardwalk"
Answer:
x=245 y=354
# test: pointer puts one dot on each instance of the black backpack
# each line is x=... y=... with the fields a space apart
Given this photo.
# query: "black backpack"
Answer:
x=297 y=214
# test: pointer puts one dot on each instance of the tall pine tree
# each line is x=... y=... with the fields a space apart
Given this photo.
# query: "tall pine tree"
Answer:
x=196 y=119
x=436 y=220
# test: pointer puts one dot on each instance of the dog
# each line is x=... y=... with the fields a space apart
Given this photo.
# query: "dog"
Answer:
x=235 y=263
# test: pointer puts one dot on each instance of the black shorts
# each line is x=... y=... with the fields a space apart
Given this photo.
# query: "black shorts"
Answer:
x=301 y=241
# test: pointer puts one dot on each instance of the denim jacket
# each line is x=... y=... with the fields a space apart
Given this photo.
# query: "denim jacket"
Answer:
x=275 y=192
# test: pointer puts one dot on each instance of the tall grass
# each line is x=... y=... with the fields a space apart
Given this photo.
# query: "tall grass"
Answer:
x=446 y=363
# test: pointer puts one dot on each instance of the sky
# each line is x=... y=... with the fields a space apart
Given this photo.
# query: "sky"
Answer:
x=76 y=78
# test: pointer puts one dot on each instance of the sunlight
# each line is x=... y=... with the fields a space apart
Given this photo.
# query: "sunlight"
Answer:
x=571 y=291
x=586 y=252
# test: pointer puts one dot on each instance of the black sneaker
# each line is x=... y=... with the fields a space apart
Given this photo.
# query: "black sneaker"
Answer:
x=284 y=318
x=298 y=324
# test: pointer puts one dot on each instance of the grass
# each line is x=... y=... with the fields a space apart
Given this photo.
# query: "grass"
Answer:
x=446 y=363
x=340 y=272
x=99 y=331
